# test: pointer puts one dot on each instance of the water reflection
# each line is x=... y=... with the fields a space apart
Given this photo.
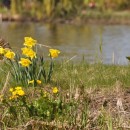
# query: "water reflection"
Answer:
x=82 y=40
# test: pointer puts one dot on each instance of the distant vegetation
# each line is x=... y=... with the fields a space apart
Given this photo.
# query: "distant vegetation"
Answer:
x=41 y=9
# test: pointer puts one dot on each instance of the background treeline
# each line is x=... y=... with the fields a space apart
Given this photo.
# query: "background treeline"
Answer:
x=59 y=8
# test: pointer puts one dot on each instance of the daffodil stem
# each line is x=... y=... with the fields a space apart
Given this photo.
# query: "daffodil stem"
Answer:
x=50 y=71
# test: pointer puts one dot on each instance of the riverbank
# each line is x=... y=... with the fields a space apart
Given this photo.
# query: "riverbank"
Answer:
x=90 y=96
x=86 y=17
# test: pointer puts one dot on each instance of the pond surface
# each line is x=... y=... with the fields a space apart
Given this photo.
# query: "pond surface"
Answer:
x=75 y=41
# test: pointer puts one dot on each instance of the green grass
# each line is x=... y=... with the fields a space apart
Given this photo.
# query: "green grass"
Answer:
x=90 y=75
x=89 y=93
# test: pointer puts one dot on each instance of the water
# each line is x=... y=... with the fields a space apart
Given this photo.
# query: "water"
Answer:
x=77 y=41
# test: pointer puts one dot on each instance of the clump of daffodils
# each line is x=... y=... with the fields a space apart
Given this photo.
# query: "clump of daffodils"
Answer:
x=28 y=51
x=37 y=81
x=16 y=92
x=28 y=68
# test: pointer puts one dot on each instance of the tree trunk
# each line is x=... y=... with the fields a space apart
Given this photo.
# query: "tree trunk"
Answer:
x=14 y=6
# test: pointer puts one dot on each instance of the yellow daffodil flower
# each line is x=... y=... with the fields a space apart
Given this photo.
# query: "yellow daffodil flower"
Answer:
x=10 y=54
x=21 y=92
x=29 y=42
x=25 y=50
x=16 y=92
x=18 y=88
x=28 y=52
x=25 y=62
x=2 y=50
x=54 y=53
x=31 y=82
x=11 y=89
x=31 y=54
x=39 y=81
x=55 y=90
x=13 y=97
